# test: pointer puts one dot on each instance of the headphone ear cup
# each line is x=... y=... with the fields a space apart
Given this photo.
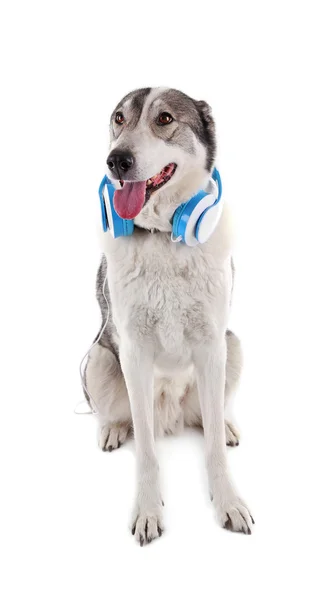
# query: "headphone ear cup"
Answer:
x=104 y=218
x=207 y=222
x=195 y=220
x=186 y=217
x=117 y=226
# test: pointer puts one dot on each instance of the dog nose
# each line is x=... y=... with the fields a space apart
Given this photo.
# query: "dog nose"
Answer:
x=120 y=161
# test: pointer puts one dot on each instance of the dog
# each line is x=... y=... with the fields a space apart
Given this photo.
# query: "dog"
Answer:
x=165 y=358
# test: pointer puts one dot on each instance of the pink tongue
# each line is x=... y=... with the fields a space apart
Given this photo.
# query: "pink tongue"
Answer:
x=129 y=201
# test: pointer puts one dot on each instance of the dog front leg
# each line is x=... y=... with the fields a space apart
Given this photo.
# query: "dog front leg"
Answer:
x=137 y=367
x=210 y=363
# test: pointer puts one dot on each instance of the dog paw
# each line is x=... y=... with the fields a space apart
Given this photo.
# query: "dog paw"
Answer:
x=147 y=528
x=234 y=515
x=146 y=524
x=232 y=434
x=113 y=435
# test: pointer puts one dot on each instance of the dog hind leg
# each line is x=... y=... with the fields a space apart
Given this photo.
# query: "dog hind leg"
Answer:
x=105 y=383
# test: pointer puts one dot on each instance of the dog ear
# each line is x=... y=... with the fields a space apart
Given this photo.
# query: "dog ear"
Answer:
x=207 y=134
x=204 y=110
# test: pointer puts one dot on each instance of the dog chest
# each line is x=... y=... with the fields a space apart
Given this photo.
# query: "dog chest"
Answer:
x=171 y=294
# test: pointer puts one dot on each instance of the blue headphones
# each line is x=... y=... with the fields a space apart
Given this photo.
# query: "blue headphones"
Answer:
x=193 y=222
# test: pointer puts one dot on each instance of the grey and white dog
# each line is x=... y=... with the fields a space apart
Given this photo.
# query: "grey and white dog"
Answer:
x=166 y=358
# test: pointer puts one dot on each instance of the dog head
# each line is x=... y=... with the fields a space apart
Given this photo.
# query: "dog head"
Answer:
x=162 y=151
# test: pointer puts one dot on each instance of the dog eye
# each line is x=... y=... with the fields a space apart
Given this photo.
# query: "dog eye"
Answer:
x=119 y=118
x=164 y=118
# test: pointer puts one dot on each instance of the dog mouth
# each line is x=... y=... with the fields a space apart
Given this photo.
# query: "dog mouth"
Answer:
x=130 y=199
x=156 y=182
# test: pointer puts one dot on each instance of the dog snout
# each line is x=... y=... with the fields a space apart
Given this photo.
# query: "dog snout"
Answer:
x=120 y=162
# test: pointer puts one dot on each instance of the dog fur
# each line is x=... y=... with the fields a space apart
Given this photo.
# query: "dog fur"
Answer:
x=166 y=358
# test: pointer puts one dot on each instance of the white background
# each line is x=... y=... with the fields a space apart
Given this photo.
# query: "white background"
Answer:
x=265 y=69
